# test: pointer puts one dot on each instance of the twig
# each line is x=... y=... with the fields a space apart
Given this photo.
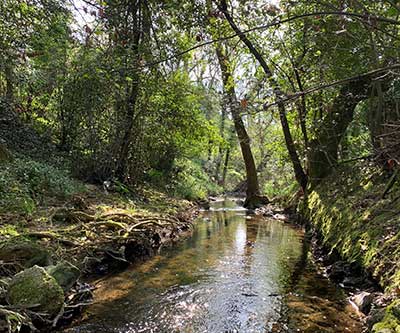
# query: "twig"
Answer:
x=59 y=315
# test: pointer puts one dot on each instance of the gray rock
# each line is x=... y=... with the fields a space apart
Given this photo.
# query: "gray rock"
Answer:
x=363 y=301
x=35 y=288
x=65 y=274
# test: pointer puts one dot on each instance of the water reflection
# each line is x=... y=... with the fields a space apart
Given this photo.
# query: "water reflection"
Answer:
x=235 y=274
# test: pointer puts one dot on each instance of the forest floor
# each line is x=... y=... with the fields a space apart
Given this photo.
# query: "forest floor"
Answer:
x=58 y=233
x=95 y=223
x=97 y=231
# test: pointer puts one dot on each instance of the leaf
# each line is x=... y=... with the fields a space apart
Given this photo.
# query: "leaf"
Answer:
x=392 y=11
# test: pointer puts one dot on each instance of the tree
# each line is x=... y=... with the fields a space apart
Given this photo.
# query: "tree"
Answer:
x=253 y=197
x=301 y=176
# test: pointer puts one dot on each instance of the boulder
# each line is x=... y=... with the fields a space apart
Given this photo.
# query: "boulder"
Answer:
x=24 y=252
x=34 y=288
x=65 y=274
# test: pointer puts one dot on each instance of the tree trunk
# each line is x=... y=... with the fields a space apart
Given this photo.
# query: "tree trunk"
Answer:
x=323 y=153
x=300 y=175
x=225 y=169
x=138 y=34
x=220 y=148
x=123 y=155
x=253 y=198
x=241 y=187
x=9 y=74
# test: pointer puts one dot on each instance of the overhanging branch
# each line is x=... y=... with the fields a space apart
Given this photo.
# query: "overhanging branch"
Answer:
x=369 y=18
x=295 y=96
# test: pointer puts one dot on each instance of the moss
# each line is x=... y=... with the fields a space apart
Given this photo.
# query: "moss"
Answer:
x=391 y=320
x=348 y=211
x=35 y=288
x=65 y=274
x=24 y=252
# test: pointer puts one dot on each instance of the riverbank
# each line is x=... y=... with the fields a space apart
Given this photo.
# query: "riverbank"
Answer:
x=89 y=234
x=356 y=213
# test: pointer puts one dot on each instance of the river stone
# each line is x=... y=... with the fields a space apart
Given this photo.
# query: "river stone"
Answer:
x=35 y=288
x=24 y=252
x=65 y=274
x=363 y=301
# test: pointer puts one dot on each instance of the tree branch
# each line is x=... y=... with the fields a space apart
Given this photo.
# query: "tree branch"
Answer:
x=293 y=97
x=275 y=23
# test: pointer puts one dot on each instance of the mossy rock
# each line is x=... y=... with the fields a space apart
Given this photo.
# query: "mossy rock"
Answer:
x=391 y=320
x=65 y=274
x=24 y=252
x=36 y=289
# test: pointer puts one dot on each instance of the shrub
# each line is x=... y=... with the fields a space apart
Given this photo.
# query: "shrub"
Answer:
x=192 y=182
x=25 y=183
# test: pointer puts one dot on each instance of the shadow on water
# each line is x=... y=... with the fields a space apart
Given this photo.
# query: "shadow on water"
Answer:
x=237 y=273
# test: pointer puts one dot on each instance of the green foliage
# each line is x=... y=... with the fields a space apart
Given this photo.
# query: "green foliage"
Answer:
x=187 y=180
x=192 y=182
x=25 y=183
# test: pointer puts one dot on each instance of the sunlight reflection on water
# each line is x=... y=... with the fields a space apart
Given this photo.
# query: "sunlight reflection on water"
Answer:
x=235 y=274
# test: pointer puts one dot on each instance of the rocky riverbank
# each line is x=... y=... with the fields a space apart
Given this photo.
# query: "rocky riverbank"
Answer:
x=355 y=215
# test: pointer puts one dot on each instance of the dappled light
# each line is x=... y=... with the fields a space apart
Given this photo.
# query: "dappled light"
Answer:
x=199 y=166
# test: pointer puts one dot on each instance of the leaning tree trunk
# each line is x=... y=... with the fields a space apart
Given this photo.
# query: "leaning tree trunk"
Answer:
x=241 y=187
x=323 y=152
x=300 y=175
x=253 y=197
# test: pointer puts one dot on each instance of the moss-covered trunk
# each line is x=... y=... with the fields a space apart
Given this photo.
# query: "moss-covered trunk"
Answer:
x=323 y=152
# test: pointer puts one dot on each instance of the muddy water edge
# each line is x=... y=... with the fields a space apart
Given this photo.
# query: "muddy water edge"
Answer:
x=236 y=273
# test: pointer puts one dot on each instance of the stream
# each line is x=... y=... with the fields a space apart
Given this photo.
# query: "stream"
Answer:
x=236 y=273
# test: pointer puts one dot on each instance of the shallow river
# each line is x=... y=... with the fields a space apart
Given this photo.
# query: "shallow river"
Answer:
x=237 y=273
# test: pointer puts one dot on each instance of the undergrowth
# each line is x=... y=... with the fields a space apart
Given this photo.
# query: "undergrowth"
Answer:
x=187 y=180
x=26 y=183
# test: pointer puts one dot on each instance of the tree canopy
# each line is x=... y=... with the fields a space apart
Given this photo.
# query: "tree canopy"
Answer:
x=203 y=96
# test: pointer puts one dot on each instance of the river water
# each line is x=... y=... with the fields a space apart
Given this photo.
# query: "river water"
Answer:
x=236 y=273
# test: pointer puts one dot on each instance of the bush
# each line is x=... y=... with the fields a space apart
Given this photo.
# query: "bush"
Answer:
x=192 y=182
x=25 y=183
x=188 y=180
